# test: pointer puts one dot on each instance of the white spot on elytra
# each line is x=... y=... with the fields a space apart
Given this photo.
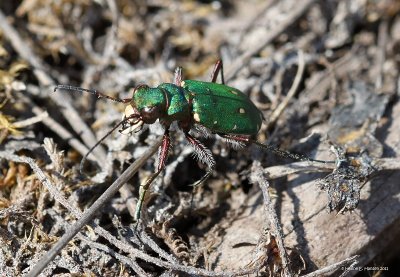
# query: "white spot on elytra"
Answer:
x=196 y=117
x=241 y=110
x=182 y=83
x=215 y=122
x=234 y=127
x=233 y=92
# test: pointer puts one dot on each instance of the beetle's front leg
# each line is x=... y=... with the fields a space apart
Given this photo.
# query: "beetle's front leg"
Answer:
x=162 y=158
x=204 y=155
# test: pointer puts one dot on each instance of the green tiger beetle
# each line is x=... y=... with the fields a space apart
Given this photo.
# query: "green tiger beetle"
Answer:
x=218 y=108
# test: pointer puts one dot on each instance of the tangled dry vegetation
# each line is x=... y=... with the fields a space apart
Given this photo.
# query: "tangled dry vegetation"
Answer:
x=325 y=74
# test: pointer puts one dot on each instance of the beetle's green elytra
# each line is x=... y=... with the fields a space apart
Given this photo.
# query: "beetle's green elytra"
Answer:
x=222 y=109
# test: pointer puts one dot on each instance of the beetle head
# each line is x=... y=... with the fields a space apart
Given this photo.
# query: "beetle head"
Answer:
x=150 y=103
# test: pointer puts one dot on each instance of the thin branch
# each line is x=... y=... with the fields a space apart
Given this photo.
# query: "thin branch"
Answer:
x=154 y=246
x=258 y=176
x=381 y=52
x=164 y=264
x=109 y=54
x=58 y=128
x=133 y=264
x=280 y=27
x=299 y=75
x=30 y=121
x=333 y=267
x=278 y=171
x=259 y=15
x=41 y=177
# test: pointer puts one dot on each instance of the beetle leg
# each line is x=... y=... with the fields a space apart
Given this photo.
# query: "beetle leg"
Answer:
x=162 y=158
x=237 y=138
x=218 y=67
x=178 y=76
x=204 y=155
x=273 y=149
x=236 y=141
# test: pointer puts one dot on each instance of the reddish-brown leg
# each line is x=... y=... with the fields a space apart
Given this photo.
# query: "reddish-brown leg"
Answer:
x=162 y=158
x=218 y=67
x=204 y=155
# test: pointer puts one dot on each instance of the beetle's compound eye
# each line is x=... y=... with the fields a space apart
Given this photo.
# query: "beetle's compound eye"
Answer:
x=150 y=114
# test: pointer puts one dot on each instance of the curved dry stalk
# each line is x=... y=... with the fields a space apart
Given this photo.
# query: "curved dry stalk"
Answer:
x=300 y=71
x=258 y=176
x=331 y=268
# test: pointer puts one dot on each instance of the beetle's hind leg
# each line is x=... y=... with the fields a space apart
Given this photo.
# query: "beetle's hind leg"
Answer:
x=162 y=158
x=218 y=67
x=241 y=140
x=236 y=141
x=276 y=150
x=204 y=155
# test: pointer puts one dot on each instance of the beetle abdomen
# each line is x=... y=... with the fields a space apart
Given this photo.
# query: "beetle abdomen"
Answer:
x=223 y=109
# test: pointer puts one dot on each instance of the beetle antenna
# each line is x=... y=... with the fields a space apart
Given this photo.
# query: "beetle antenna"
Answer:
x=101 y=140
x=287 y=154
x=92 y=91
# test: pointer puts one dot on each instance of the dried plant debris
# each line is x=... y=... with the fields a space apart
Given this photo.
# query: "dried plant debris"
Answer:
x=171 y=238
x=354 y=124
x=343 y=185
x=311 y=68
x=267 y=260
